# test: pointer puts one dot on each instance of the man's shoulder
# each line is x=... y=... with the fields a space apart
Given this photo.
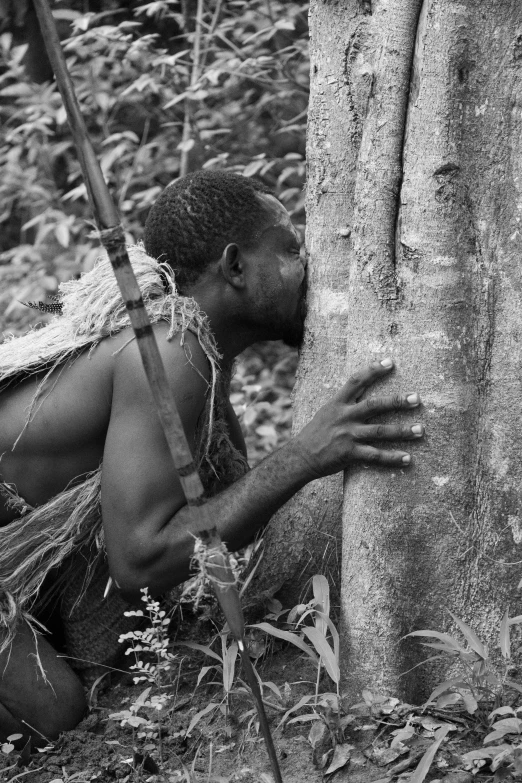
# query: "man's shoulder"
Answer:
x=186 y=365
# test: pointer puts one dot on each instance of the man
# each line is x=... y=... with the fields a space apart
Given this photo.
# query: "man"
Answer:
x=237 y=262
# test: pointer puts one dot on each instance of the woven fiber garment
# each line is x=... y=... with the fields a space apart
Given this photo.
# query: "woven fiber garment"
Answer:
x=64 y=537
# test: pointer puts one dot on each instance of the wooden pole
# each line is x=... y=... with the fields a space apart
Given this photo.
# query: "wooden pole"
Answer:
x=107 y=219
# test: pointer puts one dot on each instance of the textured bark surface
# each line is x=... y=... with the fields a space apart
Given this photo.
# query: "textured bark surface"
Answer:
x=305 y=536
x=414 y=210
x=441 y=534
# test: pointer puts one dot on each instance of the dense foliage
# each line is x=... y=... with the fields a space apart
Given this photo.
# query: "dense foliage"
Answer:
x=165 y=87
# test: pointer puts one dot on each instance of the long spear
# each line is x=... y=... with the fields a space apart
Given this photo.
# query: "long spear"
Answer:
x=217 y=563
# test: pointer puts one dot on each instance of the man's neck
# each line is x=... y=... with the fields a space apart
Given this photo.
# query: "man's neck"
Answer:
x=230 y=335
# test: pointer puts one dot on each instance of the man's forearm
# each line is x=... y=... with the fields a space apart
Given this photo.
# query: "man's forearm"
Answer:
x=240 y=511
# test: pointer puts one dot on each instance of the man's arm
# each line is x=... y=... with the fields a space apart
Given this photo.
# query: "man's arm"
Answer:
x=148 y=527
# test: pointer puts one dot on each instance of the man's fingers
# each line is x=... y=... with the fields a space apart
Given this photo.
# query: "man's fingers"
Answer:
x=365 y=432
x=373 y=406
x=359 y=381
x=373 y=456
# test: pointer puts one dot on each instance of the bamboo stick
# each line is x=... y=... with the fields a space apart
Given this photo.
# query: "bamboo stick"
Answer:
x=111 y=233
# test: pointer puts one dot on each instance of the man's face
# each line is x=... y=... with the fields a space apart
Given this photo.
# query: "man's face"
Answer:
x=278 y=277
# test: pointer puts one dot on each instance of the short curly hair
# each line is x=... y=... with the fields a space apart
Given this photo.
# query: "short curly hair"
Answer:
x=198 y=215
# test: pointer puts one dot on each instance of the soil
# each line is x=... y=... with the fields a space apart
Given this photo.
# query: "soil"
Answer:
x=224 y=745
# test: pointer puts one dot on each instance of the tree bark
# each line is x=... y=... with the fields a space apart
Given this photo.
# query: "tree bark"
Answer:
x=305 y=536
x=414 y=210
x=442 y=535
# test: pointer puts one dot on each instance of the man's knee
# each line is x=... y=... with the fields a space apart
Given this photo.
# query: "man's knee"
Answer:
x=38 y=689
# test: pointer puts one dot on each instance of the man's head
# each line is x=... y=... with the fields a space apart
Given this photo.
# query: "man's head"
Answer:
x=197 y=216
x=227 y=230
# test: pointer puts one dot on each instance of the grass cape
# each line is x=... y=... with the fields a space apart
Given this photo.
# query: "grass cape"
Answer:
x=57 y=549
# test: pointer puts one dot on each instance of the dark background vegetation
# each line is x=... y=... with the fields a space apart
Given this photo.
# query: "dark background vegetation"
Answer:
x=165 y=87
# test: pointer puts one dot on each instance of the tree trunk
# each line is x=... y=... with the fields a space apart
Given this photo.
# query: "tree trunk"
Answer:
x=305 y=536
x=414 y=239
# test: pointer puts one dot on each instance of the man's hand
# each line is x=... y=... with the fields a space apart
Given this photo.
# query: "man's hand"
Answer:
x=338 y=435
x=149 y=529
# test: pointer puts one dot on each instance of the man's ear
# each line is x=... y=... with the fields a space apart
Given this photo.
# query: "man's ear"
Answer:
x=231 y=264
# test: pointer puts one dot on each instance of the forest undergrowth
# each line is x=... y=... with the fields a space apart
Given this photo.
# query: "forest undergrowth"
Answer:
x=178 y=709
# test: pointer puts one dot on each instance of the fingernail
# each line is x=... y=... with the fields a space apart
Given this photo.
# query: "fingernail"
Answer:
x=413 y=399
x=406 y=459
x=387 y=363
x=417 y=430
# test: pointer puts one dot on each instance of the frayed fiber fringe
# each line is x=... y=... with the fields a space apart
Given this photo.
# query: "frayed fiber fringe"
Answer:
x=46 y=539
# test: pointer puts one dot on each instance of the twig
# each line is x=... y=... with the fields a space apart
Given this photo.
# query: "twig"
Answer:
x=27 y=772
x=194 y=76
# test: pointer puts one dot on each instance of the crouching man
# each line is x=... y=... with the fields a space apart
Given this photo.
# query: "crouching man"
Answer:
x=91 y=509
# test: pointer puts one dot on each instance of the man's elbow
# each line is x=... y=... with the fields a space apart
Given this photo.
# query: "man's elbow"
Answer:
x=140 y=566
x=131 y=569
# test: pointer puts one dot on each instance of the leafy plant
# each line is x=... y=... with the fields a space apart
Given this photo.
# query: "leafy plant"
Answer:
x=7 y=747
x=162 y=93
x=481 y=680
x=153 y=664
x=509 y=753
x=322 y=634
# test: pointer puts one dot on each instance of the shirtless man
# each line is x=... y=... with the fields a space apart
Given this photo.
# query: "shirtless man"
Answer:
x=234 y=249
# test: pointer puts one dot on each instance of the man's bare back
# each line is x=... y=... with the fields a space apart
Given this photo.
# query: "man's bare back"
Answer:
x=66 y=435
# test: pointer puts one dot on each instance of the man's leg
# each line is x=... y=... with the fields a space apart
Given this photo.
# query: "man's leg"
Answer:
x=33 y=703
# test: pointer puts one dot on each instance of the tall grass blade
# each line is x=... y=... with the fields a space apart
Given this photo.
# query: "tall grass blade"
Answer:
x=321 y=591
x=325 y=651
x=505 y=643
x=287 y=636
x=471 y=637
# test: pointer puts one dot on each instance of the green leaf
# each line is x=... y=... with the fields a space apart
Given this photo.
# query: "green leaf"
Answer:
x=503 y=727
x=440 y=646
x=469 y=700
x=321 y=590
x=305 y=718
x=204 y=670
x=502 y=711
x=229 y=665
x=302 y=701
x=505 y=644
x=325 y=651
x=444 y=637
x=201 y=714
x=202 y=648
x=483 y=753
x=287 y=636
x=504 y=755
x=340 y=758
x=514 y=685
x=448 y=698
x=423 y=767
x=471 y=637
x=333 y=631
x=446 y=686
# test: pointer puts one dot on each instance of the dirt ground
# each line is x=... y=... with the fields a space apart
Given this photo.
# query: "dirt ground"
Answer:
x=224 y=746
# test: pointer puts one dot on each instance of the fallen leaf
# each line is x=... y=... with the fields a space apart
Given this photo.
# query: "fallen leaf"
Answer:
x=420 y=772
x=340 y=758
x=317 y=733
x=382 y=756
